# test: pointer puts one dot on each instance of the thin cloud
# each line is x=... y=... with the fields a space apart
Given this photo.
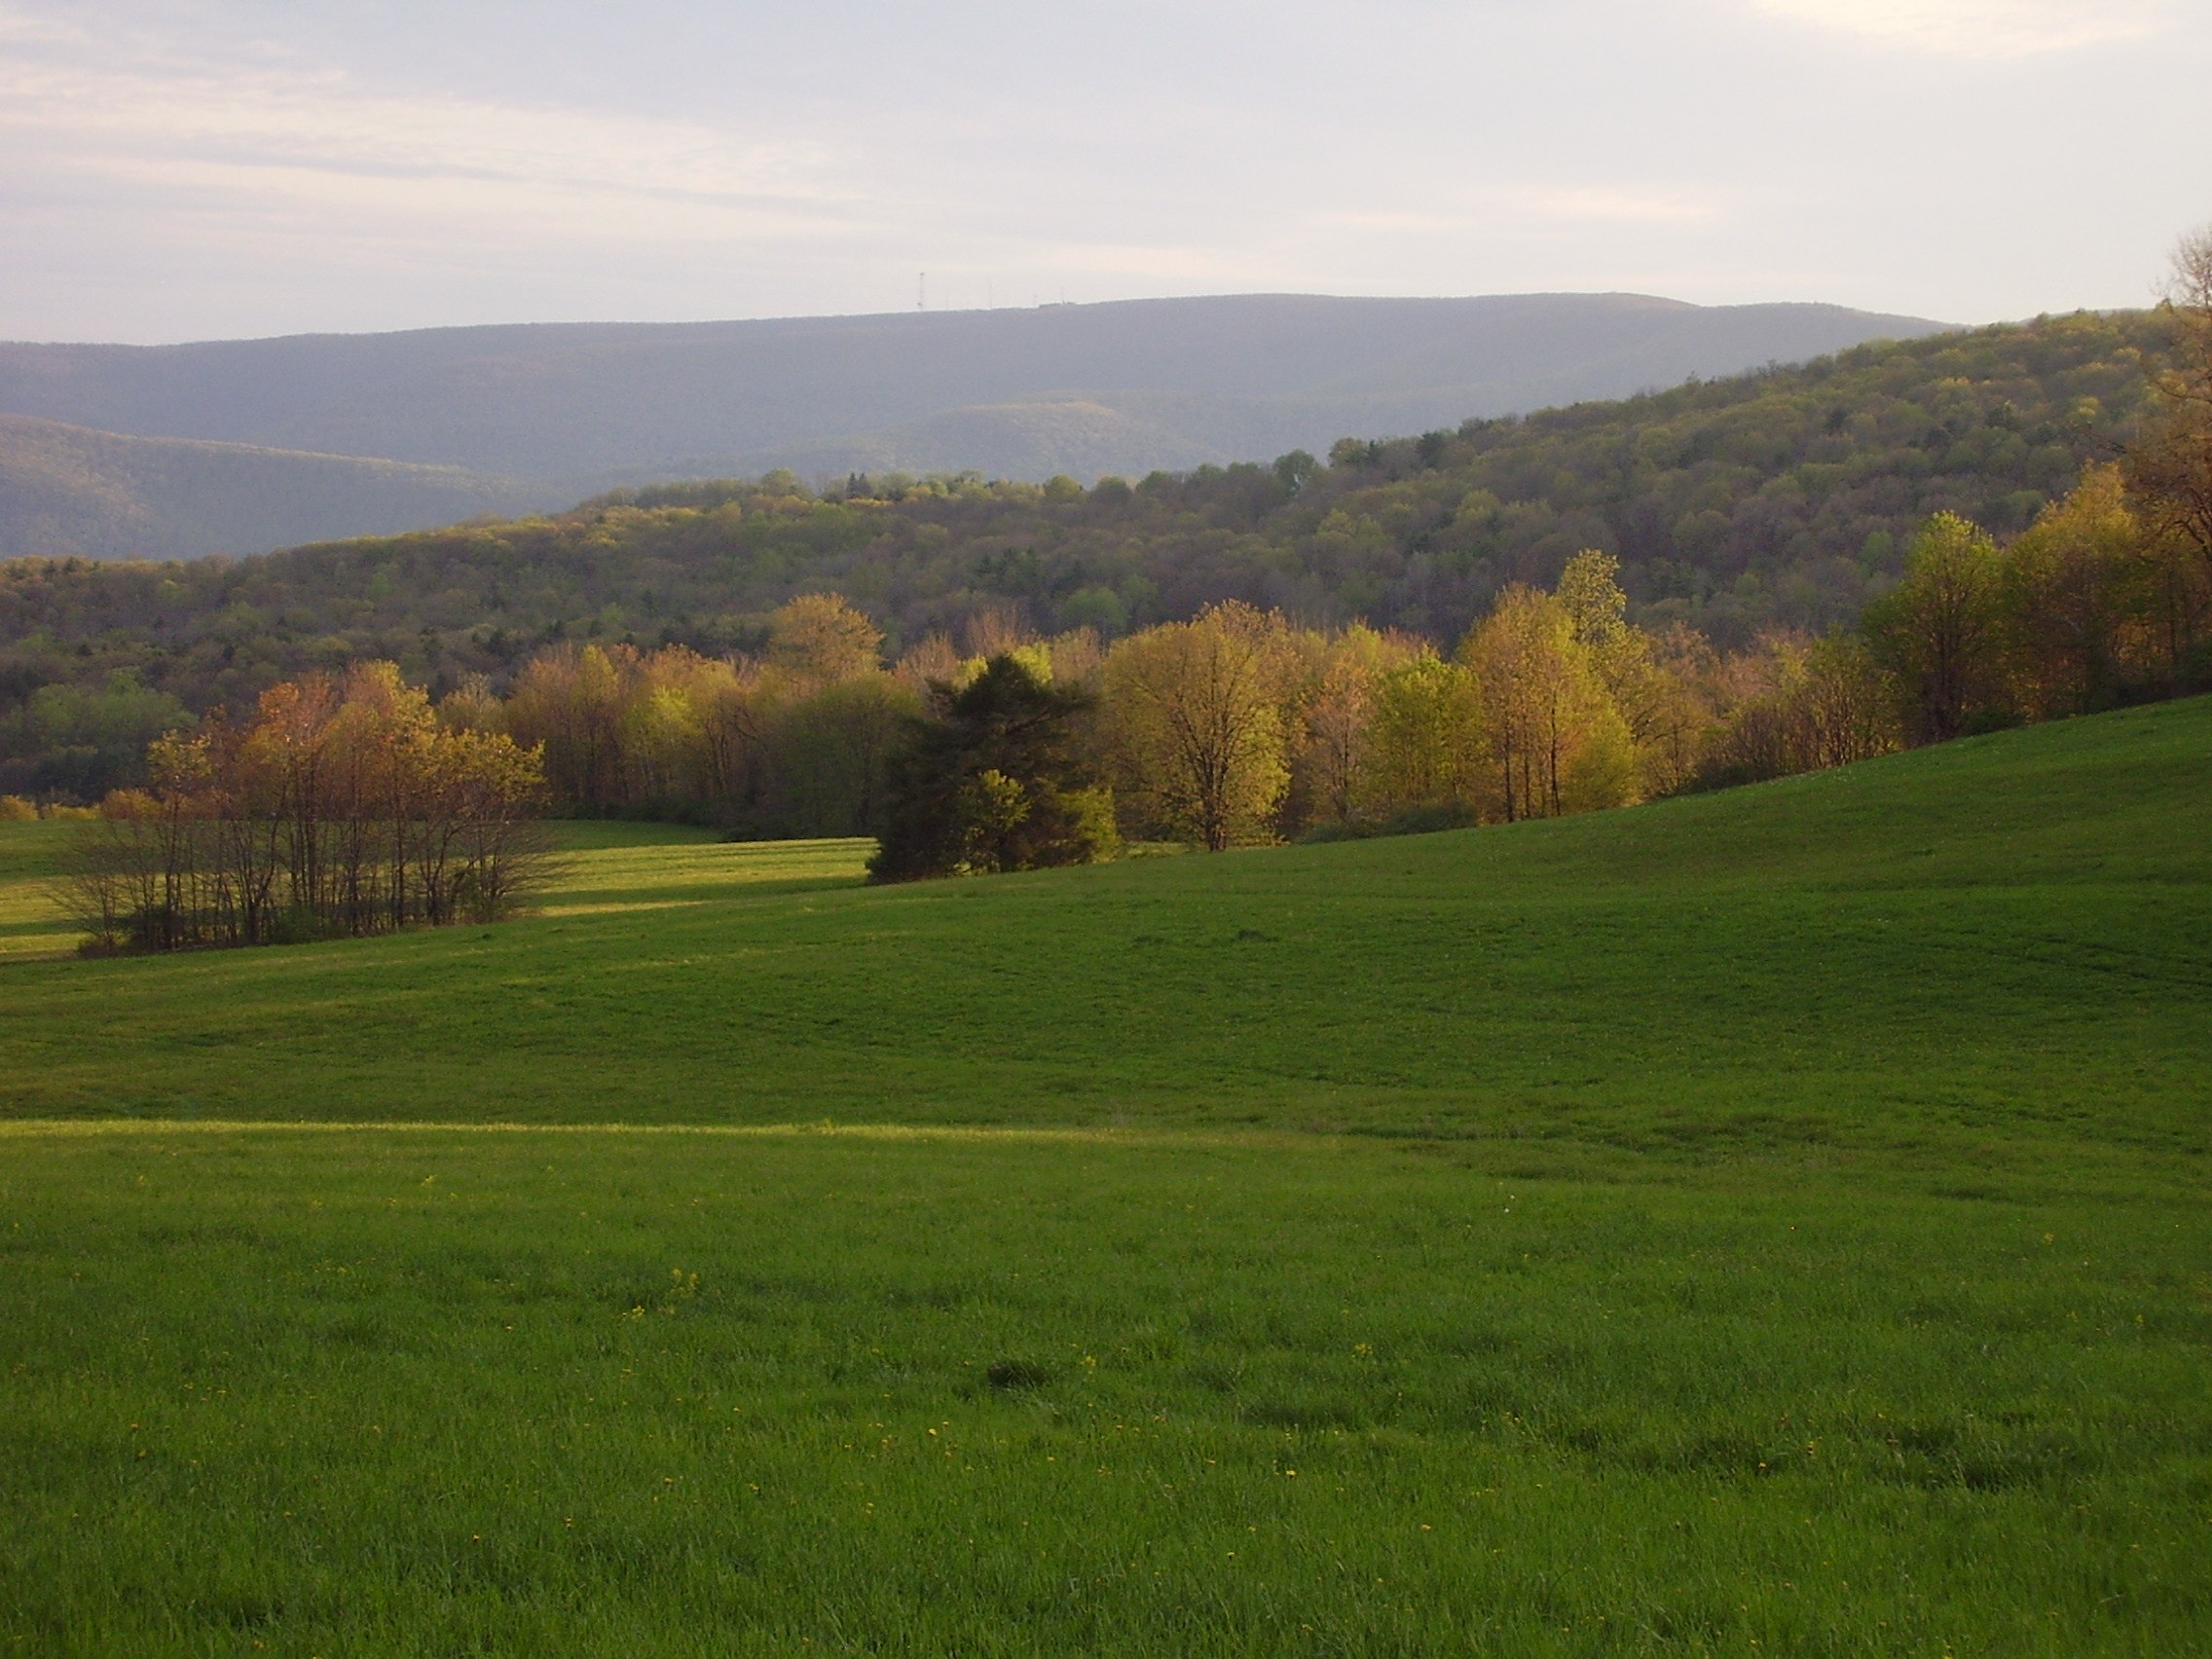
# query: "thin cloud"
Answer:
x=1990 y=29
x=1605 y=205
x=249 y=130
x=1539 y=207
x=26 y=29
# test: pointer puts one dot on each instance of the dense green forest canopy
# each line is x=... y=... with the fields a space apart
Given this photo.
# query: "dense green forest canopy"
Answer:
x=1786 y=498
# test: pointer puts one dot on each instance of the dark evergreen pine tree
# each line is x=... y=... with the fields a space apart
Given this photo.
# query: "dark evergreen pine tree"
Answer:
x=993 y=778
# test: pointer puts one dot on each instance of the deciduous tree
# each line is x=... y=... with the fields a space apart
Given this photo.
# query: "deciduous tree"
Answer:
x=2073 y=590
x=1338 y=710
x=1424 y=743
x=1940 y=632
x=1195 y=709
x=342 y=807
x=1557 y=741
x=819 y=640
x=2171 y=466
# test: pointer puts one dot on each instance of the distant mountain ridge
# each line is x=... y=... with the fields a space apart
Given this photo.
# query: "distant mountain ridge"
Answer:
x=70 y=491
x=1127 y=387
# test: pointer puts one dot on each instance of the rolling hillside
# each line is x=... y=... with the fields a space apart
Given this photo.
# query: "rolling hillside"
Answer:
x=1769 y=1220
x=1079 y=390
x=1795 y=963
x=69 y=492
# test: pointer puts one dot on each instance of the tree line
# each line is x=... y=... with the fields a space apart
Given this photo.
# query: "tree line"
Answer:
x=1236 y=726
x=998 y=748
x=355 y=805
x=342 y=807
x=1785 y=500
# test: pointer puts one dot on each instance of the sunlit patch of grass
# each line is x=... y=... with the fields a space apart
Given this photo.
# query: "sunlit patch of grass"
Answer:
x=614 y=907
x=31 y=921
x=639 y=874
x=602 y=868
x=76 y=1129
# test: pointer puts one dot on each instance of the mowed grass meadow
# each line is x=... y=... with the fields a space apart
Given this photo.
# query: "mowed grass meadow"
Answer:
x=1771 y=1222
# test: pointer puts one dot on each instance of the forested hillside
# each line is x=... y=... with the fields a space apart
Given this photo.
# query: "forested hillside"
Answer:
x=71 y=490
x=1782 y=499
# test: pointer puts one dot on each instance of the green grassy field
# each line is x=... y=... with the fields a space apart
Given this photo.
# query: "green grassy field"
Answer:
x=32 y=922
x=604 y=867
x=1768 y=1222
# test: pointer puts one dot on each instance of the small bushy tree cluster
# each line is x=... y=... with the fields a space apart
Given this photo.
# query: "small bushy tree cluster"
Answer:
x=342 y=807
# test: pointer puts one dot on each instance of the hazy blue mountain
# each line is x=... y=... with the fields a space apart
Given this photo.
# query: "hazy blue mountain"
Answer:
x=1085 y=390
x=568 y=400
x=67 y=489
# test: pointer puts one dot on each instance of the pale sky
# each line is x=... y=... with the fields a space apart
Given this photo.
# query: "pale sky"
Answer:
x=175 y=169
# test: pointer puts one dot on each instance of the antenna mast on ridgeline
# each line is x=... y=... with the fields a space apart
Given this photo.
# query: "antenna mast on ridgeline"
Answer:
x=922 y=292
